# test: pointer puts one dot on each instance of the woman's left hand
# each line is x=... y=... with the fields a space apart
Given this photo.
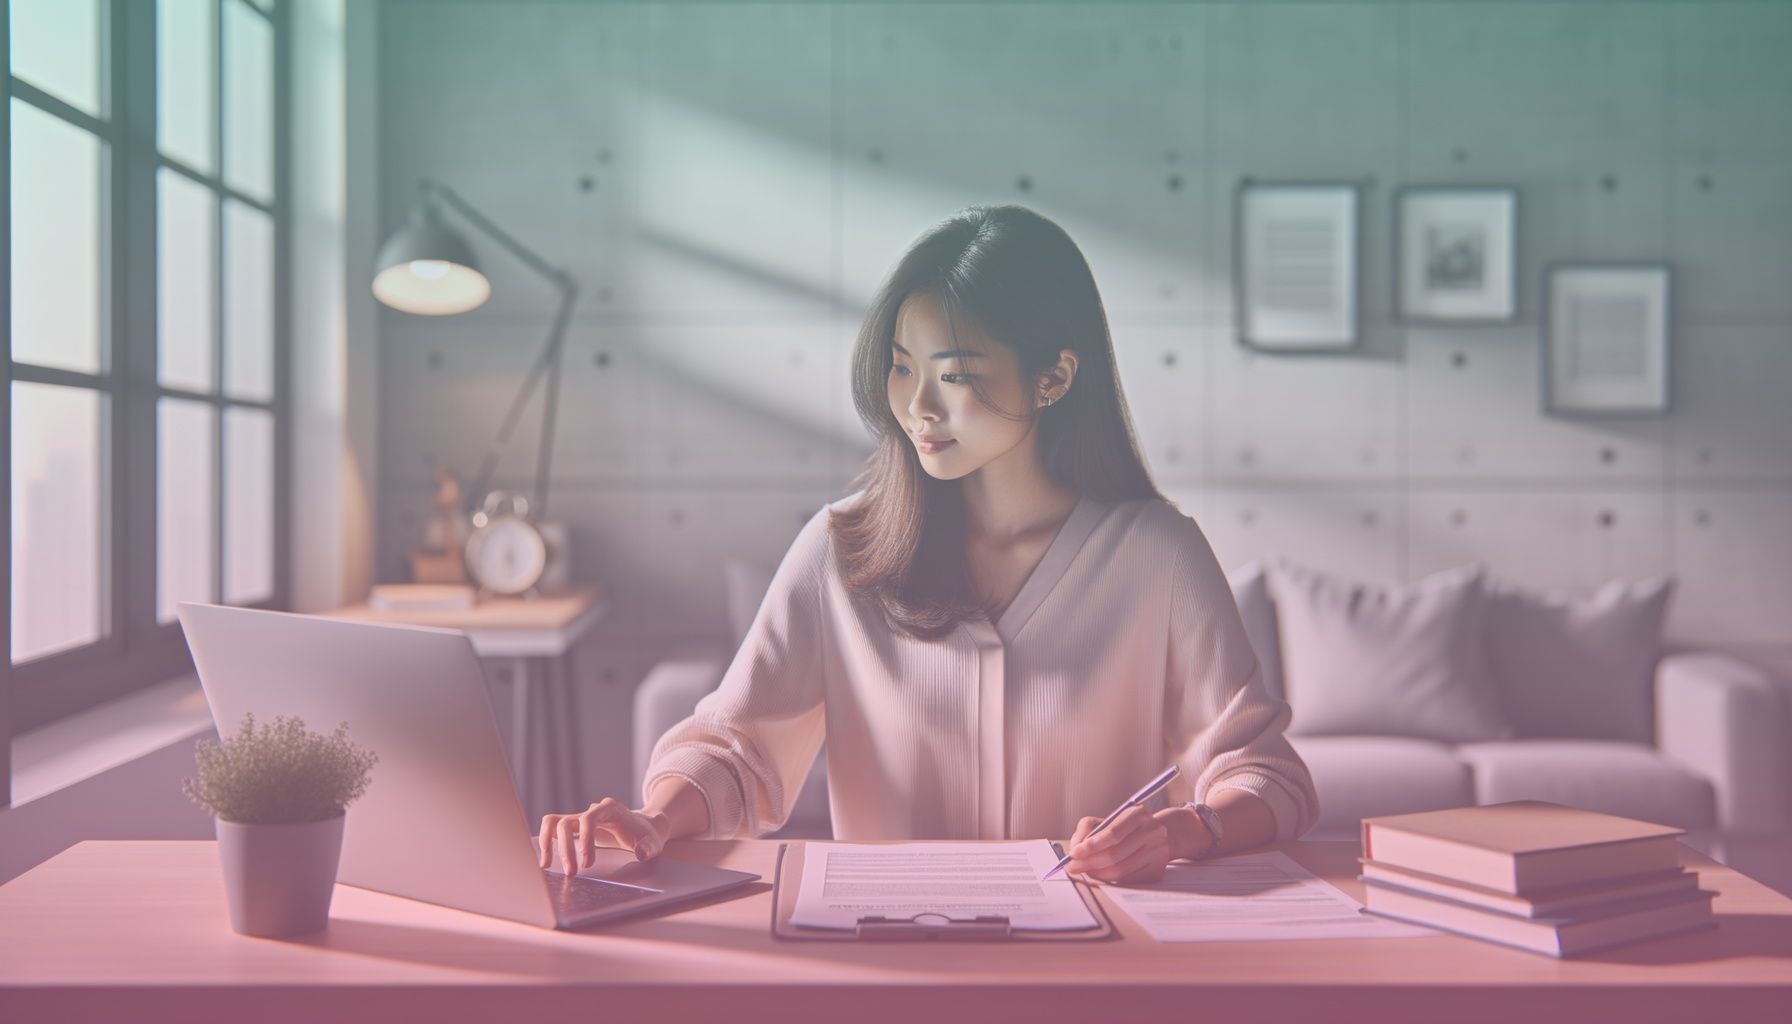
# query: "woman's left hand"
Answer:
x=1134 y=849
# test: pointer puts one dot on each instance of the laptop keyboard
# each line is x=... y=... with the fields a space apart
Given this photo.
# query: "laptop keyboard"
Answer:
x=574 y=895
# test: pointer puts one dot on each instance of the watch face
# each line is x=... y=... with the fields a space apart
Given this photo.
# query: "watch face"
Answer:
x=507 y=555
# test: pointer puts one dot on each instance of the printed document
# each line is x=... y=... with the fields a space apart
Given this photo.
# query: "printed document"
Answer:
x=843 y=882
x=1249 y=896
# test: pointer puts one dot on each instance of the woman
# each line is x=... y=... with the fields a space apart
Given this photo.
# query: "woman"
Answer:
x=1007 y=630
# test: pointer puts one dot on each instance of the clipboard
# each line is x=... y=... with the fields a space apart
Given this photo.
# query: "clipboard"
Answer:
x=923 y=926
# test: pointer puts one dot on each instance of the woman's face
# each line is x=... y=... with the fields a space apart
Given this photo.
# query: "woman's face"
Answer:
x=930 y=391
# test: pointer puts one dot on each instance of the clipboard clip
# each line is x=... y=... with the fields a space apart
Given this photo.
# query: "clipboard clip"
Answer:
x=983 y=926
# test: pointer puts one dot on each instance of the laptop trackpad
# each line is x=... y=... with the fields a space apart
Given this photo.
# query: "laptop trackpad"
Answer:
x=614 y=864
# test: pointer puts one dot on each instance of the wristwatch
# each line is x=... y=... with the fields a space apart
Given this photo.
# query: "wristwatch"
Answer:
x=1215 y=828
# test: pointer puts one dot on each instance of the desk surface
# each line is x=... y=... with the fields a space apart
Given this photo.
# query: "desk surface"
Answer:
x=140 y=928
x=506 y=626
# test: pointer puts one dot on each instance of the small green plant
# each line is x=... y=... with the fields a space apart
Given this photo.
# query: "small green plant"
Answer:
x=280 y=775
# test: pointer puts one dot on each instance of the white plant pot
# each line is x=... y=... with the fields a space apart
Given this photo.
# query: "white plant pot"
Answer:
x=278 y=879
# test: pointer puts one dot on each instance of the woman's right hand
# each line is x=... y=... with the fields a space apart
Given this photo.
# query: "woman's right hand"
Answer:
x=573 y=836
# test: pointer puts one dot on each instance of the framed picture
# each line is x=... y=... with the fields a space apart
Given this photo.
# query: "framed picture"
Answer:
x=1457 y=249
x=1605 y=338
x=1296 y=267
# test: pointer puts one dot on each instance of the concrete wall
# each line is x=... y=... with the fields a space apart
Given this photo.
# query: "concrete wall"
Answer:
x=729 y=182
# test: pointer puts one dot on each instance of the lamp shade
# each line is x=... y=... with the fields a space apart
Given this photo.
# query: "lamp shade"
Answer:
x=424 y=267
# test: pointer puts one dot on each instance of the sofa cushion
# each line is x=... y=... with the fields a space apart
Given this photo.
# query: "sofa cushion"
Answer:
x=668 y=693
x=746 y=584
x=1250 y=589
x=1577 y=665
x=1368 y=659
x=1628 y=779
x=1363 y=776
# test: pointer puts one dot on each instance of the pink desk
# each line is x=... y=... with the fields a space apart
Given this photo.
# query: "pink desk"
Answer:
x=136 y=931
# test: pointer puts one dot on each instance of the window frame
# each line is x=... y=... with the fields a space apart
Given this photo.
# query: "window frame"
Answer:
x=137 y=650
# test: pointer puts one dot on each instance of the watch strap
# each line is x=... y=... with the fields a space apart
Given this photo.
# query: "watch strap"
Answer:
x=1216 y=828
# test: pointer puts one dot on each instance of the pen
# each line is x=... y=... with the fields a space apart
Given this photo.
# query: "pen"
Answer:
x=1137 y=798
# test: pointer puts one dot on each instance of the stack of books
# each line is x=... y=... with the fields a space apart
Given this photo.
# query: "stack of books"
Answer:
x=421 y=597
x=1538 y=876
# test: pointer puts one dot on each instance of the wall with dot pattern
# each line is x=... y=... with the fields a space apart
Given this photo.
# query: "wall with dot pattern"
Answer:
x=729 y=182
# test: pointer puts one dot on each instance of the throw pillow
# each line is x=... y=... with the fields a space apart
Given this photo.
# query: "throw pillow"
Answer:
x=1578 y=665
x=1250 y=589
x=746 y=585
x=1402 y=660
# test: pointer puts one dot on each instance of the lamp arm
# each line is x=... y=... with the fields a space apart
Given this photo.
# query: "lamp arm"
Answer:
x=559 y=277
x=548 y=363
x=556 y=351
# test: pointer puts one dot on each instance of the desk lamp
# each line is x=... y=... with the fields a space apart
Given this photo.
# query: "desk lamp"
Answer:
x=428 y=269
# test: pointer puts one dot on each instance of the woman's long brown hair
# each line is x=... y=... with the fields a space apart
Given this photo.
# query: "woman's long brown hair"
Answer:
x=1020 y=278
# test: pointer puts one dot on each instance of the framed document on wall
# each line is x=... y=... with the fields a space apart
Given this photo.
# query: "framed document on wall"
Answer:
x=1606 y=337
x=1457 y=253
x=1295 y=265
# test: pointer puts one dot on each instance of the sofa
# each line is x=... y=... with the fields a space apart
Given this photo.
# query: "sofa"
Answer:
x=1574 y=701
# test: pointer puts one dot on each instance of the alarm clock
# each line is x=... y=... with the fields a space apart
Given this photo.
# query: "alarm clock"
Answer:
x=506 y=552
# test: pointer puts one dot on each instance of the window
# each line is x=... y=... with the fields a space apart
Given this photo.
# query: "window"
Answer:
x=144 y=411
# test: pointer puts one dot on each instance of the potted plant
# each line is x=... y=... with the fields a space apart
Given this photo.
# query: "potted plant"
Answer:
x=279 y=796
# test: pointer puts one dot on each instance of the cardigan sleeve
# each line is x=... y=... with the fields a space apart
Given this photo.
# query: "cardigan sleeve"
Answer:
x=1222 y=727
x=749 y=744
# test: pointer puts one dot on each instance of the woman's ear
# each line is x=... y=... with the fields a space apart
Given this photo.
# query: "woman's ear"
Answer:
x=1055 y=382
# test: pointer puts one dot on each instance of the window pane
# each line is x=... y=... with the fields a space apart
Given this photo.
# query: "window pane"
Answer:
x=56 y=242
x=248 y=100
x=56 y=47
x=186 y=504
x=248 y=301
x=186 y=300
x=186 y=74
x=57 y=517
x=248 y=505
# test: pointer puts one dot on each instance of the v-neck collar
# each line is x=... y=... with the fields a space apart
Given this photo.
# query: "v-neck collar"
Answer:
x=1045 y=575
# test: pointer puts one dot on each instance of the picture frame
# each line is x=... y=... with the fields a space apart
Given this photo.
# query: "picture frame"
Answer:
x=1456 y=254
x=1297 y=265
x=1607 y=337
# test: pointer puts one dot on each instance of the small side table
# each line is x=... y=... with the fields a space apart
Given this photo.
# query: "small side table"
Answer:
x=533 y=638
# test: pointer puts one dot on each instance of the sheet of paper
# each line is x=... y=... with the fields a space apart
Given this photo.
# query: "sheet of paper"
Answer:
x=1250 y=896
x=843 y=882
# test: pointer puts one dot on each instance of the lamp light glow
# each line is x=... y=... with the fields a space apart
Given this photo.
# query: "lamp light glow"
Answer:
x=431 y=287
x=428 y=269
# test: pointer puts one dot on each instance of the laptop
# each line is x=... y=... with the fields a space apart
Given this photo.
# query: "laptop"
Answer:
x=440 y=820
